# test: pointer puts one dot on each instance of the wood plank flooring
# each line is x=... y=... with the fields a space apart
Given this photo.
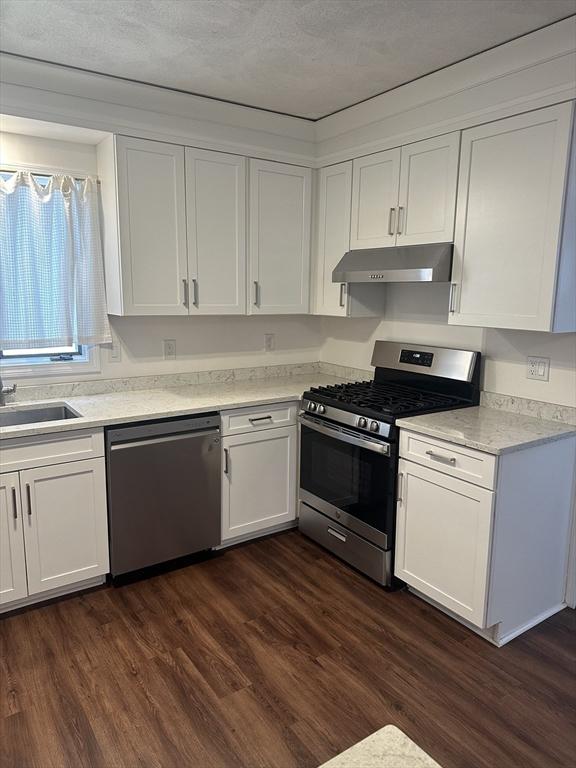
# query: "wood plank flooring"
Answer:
x=274 y=655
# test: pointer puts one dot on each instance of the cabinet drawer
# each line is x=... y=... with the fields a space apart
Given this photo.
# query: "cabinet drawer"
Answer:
x=456 y=460
x=358 y=552
x=253 y=419
x=43 y=450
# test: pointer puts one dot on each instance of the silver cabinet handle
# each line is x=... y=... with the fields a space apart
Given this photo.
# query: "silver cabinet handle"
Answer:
x=342 y=294
x=400 y=220
x=226 y=461
x=14 y=504
x=185 y=286
x=391 y=221
x=195 y=292
x=337 y=534
x=452 y=297
x=400 y=487
x=256 y=293
x=257 y=419
x=28 y=500
x=444 y=459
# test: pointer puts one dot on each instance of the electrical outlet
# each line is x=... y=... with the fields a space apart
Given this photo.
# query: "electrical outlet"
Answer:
x=538 y=368
x=269 y=341
x=169 y=349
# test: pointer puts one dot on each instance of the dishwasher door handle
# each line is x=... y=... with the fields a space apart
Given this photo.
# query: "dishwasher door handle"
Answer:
x=165 y=439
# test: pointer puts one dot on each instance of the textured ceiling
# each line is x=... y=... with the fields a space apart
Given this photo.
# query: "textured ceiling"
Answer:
x=302 y=57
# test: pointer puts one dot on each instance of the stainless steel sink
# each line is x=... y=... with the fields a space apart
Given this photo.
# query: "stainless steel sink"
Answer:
x=34 y=415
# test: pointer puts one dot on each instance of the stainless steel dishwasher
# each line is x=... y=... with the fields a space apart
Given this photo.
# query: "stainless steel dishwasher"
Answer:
x=164 y=491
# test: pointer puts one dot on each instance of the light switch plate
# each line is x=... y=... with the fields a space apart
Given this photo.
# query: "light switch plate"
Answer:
x=538 y=368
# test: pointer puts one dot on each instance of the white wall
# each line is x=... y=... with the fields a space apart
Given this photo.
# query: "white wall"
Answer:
x=418 y=314
x=204 y=343
x=40 y=153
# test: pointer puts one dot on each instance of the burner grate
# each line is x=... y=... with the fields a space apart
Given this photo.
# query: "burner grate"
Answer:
x=386 y=399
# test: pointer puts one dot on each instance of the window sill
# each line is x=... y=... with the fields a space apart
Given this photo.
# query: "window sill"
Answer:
x=52 y=371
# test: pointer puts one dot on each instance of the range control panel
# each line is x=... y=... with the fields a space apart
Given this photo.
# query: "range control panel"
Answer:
x=416 y=358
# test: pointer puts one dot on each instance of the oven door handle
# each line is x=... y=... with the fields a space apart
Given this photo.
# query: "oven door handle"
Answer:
x=370 y=445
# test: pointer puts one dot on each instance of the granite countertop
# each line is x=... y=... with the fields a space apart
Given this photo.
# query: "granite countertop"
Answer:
x=141 y=405
x=488 y=429
x=387 y=748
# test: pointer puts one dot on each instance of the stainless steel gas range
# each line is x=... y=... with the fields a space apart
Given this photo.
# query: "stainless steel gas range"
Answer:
x=349 y=447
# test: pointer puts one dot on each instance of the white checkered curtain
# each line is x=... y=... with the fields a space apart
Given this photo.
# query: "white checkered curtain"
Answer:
x=51 y=270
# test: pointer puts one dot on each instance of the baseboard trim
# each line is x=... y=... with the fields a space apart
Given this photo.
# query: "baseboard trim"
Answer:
x=257 y=534
x=492 y=633
x=501 y=640
x=52 y=594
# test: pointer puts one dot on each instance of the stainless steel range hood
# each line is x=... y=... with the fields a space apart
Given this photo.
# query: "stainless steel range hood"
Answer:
x=403 y=264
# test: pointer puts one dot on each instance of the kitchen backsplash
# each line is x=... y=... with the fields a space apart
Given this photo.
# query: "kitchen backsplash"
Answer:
x=522 y=405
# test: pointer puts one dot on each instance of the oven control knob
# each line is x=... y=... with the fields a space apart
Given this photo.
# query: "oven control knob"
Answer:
x=321 y=409
x=374 y=426
x=312 y=406
x=362 y=423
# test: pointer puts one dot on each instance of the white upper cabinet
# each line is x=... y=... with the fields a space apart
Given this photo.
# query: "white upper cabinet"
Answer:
x=374 y=200
x=332 y=210
x=151 y=202
x=508 y=246
x=13 y=584
x=406 y=196
x=427 y=197
x=332 y=235
x=280 y=218
x=216 y=222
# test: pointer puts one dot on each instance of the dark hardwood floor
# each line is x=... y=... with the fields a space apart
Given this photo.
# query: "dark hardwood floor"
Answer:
x=274 y=654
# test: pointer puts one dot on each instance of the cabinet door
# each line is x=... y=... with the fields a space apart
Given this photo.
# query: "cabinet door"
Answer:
x=332 y=236
x=427 y=199
x=65 y=527
x=152 y=212
x=216 y=223
x=375 y=182
x=259 y=481
x=443 y=532
x=508 y=220
x=13 y=585
x=280 y=215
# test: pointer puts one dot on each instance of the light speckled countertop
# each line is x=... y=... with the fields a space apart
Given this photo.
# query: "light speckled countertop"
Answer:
x=387 y=748
x=141 y=405
x=488 y=429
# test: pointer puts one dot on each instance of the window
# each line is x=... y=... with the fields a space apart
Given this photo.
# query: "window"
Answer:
x=55 y=361
x=52 y=301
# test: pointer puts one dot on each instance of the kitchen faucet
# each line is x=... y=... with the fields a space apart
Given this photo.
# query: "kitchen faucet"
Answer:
x=5 y=389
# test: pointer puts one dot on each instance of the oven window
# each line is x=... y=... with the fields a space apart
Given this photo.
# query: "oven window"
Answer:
x=352 y=479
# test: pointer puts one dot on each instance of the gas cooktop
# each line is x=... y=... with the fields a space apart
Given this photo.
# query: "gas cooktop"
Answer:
x=382 y=400
x=408 y=380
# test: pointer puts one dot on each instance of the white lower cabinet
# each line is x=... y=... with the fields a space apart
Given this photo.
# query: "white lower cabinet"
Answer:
x=13 y=585
x=259 y=481
x=443 y=539
x=66 y=528
x=53 y=518
x=491 y=549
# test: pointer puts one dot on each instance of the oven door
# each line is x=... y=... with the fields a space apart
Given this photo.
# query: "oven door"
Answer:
x=349 y=477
